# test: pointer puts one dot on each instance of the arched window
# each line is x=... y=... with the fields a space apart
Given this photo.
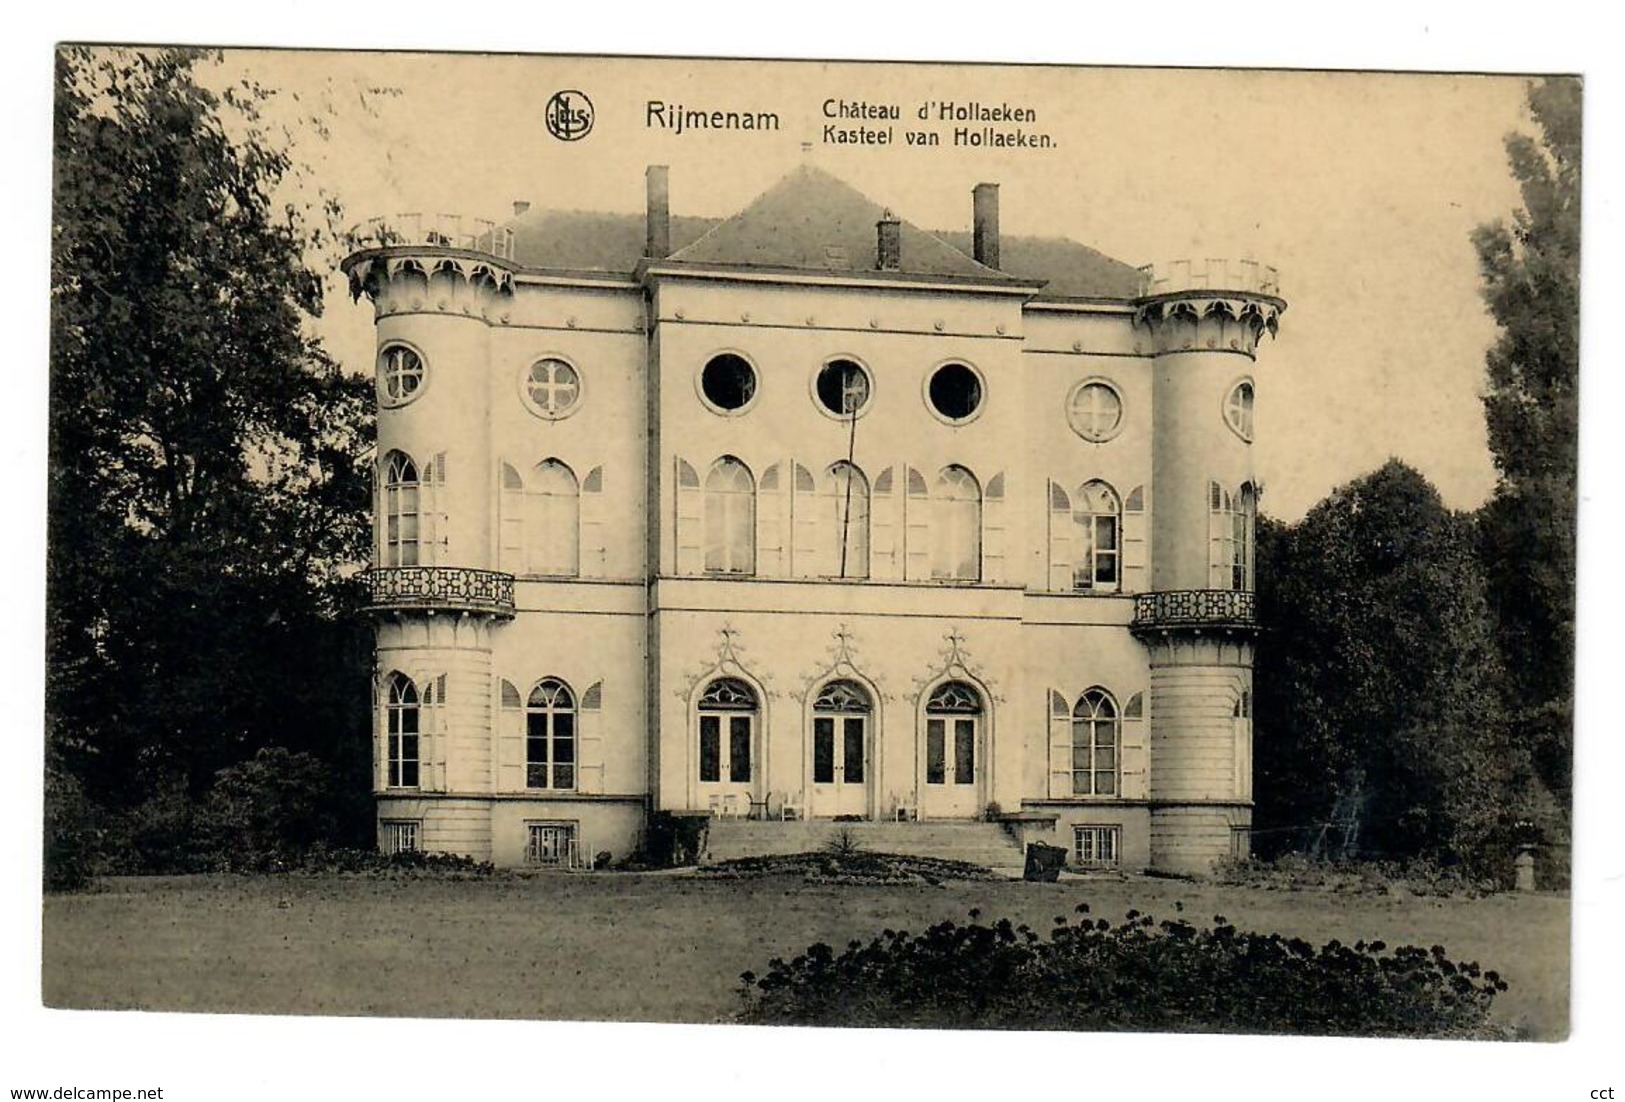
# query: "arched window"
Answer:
x=1241 y=566
x=840 y=719
x=952 y=713
x=1095 y=742
x=401 y=510
x=727 y=712
x=1221 y=505
x=1238 y=410
x=730 y=518
x=1098 y=564
x=550 y=736
x=846 y=508
x=402 y=724
x=957 y=533
x=556 y=524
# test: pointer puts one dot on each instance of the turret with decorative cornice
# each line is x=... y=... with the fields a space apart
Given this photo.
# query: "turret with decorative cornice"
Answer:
x=1202 y=321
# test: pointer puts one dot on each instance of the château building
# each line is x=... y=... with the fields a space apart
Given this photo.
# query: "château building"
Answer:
x=809 y=514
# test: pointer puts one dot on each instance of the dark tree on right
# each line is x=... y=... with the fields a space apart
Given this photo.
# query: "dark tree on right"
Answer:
x=1531 y=274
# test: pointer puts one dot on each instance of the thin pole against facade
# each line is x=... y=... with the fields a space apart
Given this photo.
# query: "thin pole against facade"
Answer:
x=849 y=401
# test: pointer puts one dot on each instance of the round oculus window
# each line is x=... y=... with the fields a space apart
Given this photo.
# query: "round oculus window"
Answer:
x=401 y=374
x=955 y=391
x=1238 y=410
x=728 y=382
x=843 y=387
x=1095 y=411
x=550 y=387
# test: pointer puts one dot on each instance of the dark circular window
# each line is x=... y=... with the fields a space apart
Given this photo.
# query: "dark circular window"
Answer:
x=955 y=391
x=843 y=387
x=728 y=382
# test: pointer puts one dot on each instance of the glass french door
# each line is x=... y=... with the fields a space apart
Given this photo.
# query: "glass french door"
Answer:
x=839 y=766
x=952 y=753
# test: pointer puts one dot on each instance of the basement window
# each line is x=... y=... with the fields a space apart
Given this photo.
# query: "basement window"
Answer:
x=1097 y=847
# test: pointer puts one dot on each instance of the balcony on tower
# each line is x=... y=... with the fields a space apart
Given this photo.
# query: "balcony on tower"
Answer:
x=1186 y=609
x=1178 y=276
x=441 y=231
x=432 y=589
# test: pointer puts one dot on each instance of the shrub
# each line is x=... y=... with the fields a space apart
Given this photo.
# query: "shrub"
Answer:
x=263 y=813
x=1295 y=872
x=1138 y=975
x=670 y=841
x=70 y=834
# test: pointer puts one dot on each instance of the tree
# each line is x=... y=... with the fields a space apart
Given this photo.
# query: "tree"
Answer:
x=1377 y=670
x=208 y=486
x=1531 y=274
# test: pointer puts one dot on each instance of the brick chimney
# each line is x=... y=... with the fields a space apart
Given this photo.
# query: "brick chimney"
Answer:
x=520 y=206
x=985 y=225
x=659 y=212
x=888 y=243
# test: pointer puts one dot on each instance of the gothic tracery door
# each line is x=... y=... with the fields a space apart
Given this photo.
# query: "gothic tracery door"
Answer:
x=953 y=753
x=840 y=750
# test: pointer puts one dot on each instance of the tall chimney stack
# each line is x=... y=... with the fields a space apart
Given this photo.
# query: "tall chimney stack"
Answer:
x=659 y=212
x=985 y=225
x=888 y=243
x=520 y=206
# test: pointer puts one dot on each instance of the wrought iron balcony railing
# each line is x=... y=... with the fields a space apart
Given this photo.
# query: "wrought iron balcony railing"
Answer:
x=1175 y=608
x=440 y=589
x=447 y=231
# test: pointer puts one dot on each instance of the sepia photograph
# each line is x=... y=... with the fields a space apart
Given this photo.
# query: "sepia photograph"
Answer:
x=1050 y=550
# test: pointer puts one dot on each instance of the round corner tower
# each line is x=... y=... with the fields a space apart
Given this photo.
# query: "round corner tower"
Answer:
x=437 y=288
x=1204 y=320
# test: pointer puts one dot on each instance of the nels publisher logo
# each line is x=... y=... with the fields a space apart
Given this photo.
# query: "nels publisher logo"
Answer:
x=569 y=115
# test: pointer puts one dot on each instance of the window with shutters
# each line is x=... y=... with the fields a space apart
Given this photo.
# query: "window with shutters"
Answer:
x=1231 y=522
x=513 y=507
x=846 y=517
x=550 y=736
x=555 y=525
x=730 y=518
x=402 y=511
x=728 y=711
x=403 y=717
x=1095 y=745
x=956 y=531
x=1097 y=539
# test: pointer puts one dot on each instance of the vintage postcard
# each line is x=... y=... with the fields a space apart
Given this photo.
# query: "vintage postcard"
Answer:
x=730 y=542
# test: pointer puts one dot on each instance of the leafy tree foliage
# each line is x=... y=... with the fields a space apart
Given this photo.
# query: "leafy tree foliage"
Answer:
x=1378 y=675
x=208 y=491
x=1531 y=273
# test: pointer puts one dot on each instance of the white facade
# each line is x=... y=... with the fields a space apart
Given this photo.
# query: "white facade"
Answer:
x=809 y=513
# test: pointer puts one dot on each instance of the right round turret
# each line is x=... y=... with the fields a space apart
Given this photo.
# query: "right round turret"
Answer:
x=1203 y=321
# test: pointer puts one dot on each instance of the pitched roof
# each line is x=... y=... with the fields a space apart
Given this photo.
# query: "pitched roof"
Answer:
x=810 y=220
x=1068 y=269
x=591 y=241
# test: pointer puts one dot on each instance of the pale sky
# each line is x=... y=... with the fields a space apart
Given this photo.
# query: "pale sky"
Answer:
x=1361 y=188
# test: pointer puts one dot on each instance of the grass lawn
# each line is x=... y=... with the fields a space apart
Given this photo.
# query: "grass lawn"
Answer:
x=653 y=947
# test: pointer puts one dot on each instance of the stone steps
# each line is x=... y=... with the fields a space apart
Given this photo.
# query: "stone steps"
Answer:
x=985 y=844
